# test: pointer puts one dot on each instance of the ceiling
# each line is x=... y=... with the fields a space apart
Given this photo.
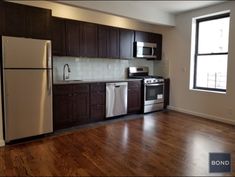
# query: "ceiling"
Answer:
x=156 y=12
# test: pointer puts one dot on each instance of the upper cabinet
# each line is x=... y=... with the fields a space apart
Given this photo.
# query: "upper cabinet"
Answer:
x=15 y=20
x=126 y=43
x=39 y=22
x=58 y=37
x=72 y=38
x=88 y=40
x=150 y=38
x=1 y=17
x=108 y=42
x=26 y=21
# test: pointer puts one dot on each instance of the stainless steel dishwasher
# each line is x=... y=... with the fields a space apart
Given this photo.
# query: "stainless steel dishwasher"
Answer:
x=116 y=99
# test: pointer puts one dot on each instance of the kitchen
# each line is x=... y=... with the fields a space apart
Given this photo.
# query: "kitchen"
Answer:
x=93 y=60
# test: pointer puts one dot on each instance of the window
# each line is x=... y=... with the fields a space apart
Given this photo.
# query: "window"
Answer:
x=211 y=53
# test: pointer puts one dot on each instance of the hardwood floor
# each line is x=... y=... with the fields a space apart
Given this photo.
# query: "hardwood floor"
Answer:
x=162 y=144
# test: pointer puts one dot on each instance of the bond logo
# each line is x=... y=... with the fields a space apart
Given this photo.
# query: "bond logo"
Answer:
x=220 y=162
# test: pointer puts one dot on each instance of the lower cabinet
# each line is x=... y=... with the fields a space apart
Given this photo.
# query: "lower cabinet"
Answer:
x=134 y=97
x=70 y=105
x=97 y=101
x=77 y=104
x=166 y=92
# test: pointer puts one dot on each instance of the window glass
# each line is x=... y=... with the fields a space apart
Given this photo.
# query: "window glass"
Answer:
x=213 y=36
x=212 y=71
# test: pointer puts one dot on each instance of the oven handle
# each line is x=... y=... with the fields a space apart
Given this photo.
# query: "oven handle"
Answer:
x=149 y=85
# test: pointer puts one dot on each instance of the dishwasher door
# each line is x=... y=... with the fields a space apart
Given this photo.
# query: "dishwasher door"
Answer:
x=116 y=99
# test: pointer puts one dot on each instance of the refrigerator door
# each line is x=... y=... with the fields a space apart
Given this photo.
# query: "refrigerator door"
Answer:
x=26 y=53
x=28 y=103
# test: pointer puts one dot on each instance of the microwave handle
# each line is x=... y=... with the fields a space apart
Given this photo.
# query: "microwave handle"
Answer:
x=152 y=51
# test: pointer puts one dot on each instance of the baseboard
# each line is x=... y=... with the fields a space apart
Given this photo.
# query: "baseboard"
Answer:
x=2 y=143
x=206 y=116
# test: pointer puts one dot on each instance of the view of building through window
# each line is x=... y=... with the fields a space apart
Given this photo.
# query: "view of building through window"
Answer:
x=211 y=53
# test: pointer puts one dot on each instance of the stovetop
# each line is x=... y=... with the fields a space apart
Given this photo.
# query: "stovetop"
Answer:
x=150 y=79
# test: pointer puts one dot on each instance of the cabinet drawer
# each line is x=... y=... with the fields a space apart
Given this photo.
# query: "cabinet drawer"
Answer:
x=81 y=88
x=62 y=89
x=97 y=87
x=134 y=85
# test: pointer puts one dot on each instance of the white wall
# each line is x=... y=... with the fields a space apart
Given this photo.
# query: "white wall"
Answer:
x=75 y=13
x=178 y=42
x=136 y=10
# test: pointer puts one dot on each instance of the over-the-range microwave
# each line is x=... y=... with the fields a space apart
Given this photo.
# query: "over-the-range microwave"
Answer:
x=145 y=50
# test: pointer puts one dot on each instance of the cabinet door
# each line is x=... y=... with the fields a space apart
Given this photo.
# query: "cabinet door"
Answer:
x=97 y=113
x=126 y=43
x=62 y=106
x=97 y=101
x=141 y=36
x=103 y=34
x=38 y=22
x=2 y=18
x=113 y=45
x=166 y=93
x=81 y=103
x=88 y=40
x=72 y=38
x=15 y=20
x=62 y=111
x=134 y=96
x=58 y=37
x=159 y=46
x=81 y=108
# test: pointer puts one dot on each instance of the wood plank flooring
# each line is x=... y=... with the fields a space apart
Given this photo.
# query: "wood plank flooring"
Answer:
x=161 y=144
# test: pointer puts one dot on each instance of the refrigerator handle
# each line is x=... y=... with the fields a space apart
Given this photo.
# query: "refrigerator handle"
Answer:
x=48 y=53
x=49 y=75
x=49 y=81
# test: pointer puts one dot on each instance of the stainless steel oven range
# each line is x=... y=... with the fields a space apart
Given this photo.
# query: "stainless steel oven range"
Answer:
x=153 y=88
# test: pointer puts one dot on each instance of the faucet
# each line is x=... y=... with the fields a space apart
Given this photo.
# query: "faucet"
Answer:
x=66 y=76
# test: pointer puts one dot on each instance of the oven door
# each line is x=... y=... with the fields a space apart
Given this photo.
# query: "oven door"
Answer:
x=153 y=93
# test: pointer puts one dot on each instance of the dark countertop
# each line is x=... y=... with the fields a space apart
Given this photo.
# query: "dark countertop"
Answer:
x=61 y=82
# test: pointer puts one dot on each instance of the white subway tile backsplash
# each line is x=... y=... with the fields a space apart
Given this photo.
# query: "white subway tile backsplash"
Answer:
x=96 y=68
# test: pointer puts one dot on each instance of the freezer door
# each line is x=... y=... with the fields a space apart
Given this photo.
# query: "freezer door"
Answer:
x=28 y=103
x=26 y=53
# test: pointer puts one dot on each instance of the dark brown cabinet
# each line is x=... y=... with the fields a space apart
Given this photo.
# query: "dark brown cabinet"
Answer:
x=113 y=47
x=70 y=105
x=2 y=18
x=97 y=101
x=134 y=97
x=39 y=23
x=62 y=106
x=26 y=21
x=72 y=38
x=88 y=40
x=166 y=92
x=108 y=42
x=81 y=103
x=141 y=36
x=15 y=20
x=58 y=37
x=126 y=43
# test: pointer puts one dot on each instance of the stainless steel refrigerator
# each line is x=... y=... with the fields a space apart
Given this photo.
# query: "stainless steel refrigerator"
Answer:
x=27 y=87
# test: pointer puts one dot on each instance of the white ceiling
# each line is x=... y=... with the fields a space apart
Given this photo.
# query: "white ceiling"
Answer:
x=156 y=12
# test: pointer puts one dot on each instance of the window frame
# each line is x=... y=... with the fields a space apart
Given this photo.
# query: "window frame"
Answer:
x=196 y=54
